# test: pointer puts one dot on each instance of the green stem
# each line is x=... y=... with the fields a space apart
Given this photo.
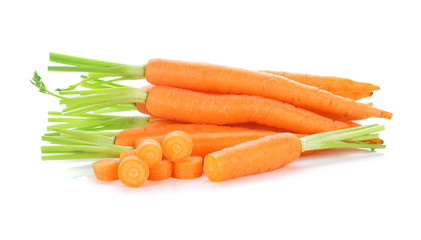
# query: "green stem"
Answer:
x=78 y=61
x=117 y=108
x=343 y=138
x=86 y=136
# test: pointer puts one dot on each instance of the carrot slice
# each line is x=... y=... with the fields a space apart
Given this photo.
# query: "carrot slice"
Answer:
x=126 y=152
x=133 y=172
x=106 y=169
x=188 y=169
x=177 y=146
x=160 y=171
x=150 y=151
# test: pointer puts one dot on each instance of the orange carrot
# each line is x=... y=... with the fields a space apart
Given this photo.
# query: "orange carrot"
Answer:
x=263 y=154
x=221 y=79
x=177 y=146
x=142 y=107
x=160 y=171
x=207 y=78
x=274 y=151
x=188 y=169
x=106 y=169
x=328 y=83
x=126 y=152
x=129 y=137
x=197 y=107
x=205 y=143
x=354 y=95
x=150 y=151
x=133 y=172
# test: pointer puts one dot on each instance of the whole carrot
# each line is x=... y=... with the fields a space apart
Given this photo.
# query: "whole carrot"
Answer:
x=328 y=83
x=198 y=107
x=272 y=152
x=129 y=136
x=226 y=80
x=205 y=143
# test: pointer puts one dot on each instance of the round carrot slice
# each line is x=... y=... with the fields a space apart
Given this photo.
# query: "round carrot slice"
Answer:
x=189 y=169
x=133 y=172
x=126 y=152
x=160 y=171
x=150 y=151
x=106 y=169
x=177 y=146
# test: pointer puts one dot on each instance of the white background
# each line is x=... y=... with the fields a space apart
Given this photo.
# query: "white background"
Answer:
x=330 y=195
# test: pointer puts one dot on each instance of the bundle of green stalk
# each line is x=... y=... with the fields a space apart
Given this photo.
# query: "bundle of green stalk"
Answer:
x=209 y=103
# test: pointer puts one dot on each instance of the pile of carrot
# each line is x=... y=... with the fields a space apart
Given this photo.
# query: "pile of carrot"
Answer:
x=234 y=119
x=151 y=160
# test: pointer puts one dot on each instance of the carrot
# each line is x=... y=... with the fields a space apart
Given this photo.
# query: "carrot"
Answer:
x=354 y=95
x=126 y=152
x=218 y=79
x=129 y=137
x=106 y=169
x=205 y=143
x=142 y=107
x=177 y=146
x=161 y=170
x=196 y=107
x=133 y=172
x=272 y=152
x=328 y=83
x=188 y=169
x=150 y=151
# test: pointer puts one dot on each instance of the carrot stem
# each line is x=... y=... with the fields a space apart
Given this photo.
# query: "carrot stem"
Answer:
x=96 y=68
x=345 y=138
x=79 y=61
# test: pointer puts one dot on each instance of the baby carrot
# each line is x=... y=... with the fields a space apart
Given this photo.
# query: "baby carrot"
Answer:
x=328 y=83
x=105 y=169
x=204 y=143
x=142 y=107
x=150 y=151
x=188 y=169
x=275 y=151
x=133 y=172
x=197 y=107
x=177 y=146
x=126 y=152
x=161 y=170
x=354 y=95
x=129 y=137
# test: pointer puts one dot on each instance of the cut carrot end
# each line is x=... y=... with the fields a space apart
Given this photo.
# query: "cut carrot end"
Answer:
x=150 y=151
x=188 y=169
x=210 y=166
x=106 y=169
x=133 y=172
x=177 y=146
x=160 y=171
